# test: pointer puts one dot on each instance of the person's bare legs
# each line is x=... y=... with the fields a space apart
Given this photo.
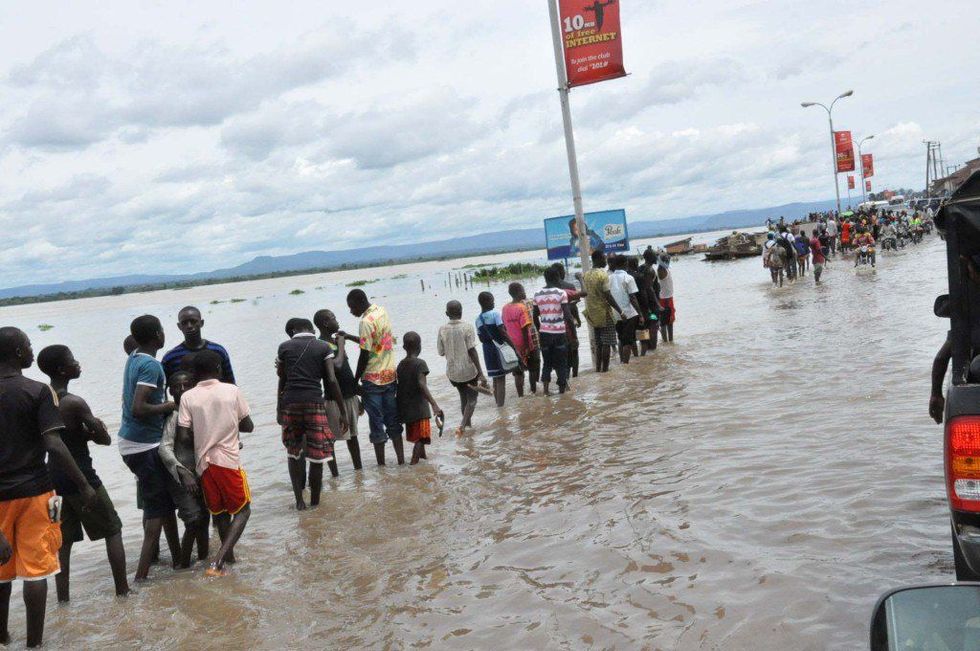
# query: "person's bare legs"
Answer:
x=416 y=453
x=151 y=538
x=61 y=579
x=297 y=477
x=316 y=483
x=670 y=332
x=204 y=536
x=116 y=553
x=469 y=406
x=187 y=546
x=173 y=537
x=355 y=452
x=36 y=603
x=233 y=531
x=519 y=383
x=4 y=612
x=500 y=390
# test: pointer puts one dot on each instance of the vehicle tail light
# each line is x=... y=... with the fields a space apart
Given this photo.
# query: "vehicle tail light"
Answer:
x=963 y=463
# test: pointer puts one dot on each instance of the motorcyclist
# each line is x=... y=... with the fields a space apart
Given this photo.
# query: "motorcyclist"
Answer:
x=865 y=244
x=889 y=235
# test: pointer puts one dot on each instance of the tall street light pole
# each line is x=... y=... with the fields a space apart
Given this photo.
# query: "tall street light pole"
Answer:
x=833 y=148
x=864 y=185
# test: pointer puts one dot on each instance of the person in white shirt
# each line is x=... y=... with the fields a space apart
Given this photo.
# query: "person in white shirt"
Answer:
x=667 y=299
x=624 y=289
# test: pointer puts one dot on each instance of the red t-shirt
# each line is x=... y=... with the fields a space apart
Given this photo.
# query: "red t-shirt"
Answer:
x=845 y=235
x=816 y=248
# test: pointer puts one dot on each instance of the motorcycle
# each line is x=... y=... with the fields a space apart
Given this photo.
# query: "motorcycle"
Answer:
x=916 y=235
x=865 y=256
x=889 y=243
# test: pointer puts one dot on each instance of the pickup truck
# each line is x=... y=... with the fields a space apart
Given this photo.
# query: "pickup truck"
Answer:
x=959 y=221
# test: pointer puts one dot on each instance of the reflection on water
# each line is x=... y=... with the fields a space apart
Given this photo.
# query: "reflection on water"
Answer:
x=754 y=486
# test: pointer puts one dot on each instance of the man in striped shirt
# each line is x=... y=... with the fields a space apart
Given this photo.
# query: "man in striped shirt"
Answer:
x=551 y=310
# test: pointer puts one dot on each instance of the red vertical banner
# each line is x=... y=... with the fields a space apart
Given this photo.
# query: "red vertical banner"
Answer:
x=592 y=40
x=850 y=182
x=845 y=151
x=868 y=165
x=867 y=185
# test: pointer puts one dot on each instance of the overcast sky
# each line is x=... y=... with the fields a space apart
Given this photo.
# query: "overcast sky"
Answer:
x=140 y=137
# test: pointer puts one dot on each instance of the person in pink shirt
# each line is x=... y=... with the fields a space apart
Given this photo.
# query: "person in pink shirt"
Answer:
x=520 y=327
x=213 y=413
x=819 y=258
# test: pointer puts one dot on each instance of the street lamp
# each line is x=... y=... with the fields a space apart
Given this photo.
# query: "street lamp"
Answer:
x=864 y=184
x=833 y=148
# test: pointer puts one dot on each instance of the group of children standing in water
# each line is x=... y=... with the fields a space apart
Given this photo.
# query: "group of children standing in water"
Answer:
x=184 y=449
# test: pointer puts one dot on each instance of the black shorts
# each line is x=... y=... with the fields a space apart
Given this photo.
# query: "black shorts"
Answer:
x=626 y=329
x=151 y=482
x=100 y=521
x=463 y=385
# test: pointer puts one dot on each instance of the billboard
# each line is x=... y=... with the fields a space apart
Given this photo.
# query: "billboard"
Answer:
x=607 y=232
x=867 y=185
x=844 y=148
x=850 y=182
x=868 y=165
x=591 y=40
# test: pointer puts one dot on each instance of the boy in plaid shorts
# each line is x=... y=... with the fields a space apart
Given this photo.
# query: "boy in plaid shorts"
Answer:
x=305 y=365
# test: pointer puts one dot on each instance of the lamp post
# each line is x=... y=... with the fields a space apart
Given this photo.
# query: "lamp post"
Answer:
x=864 y=186
x=833 y=148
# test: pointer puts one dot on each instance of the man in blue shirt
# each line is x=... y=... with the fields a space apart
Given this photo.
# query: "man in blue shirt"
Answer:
x=145 y=410
x=190 y=323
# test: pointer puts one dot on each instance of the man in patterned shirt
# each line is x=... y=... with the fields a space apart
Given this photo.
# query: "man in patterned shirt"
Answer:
x=377 y=375
x=551 y=312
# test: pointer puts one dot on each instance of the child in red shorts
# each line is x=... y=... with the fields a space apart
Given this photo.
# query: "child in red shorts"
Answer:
x=414 y=397
x=216 y=412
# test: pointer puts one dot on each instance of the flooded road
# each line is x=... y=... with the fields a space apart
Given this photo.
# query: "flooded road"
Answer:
x=754 y=486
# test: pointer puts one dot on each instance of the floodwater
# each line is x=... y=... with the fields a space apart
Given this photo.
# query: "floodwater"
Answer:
x=754 y=486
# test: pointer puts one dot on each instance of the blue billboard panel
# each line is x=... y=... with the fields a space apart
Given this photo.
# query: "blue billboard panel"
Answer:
x=606 y=231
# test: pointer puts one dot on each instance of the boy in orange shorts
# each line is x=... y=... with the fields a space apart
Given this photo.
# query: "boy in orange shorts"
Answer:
x=414 y=397
x=216 y=412
x=30 y=534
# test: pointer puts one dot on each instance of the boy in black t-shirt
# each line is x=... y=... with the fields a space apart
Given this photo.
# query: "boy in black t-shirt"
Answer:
x=326 y=323
x=414 y=397
x=101 y=522
x=305 y=365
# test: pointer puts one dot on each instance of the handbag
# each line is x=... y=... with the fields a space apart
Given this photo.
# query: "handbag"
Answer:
x=643 y=335
x=509 y=361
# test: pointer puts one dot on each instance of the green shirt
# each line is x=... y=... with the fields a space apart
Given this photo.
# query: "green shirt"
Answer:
x=598 y=312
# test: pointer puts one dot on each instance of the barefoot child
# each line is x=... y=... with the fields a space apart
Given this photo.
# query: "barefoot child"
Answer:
x=216 y=412
x=305 y=366
x=414 y=397
x=520 y=327
x=490 y=330
x=100 y=521
x=179 y=461
x=457 y=343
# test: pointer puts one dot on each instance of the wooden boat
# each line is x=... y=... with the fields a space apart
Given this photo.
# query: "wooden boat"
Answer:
x=734 y=246
x=680 y=247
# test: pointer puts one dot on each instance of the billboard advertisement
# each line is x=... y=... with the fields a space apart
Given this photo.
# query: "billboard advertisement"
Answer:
x=845 y=151
x=606 y=230
x=867 y=185
x=868 y=165
x=850 y=182
x=591 y=40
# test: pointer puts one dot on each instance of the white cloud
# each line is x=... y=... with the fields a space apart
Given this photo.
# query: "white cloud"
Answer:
x=197 y=138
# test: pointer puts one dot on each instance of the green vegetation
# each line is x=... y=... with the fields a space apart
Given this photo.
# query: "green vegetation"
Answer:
x=216 y=302
x=237 y=300
x=362 y=283
x=198 y=282
x=513 y=271
x=296 y=292
x=399 y=277
x=44 y=327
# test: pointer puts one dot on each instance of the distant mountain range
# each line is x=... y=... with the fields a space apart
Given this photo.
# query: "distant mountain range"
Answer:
x=512 y=240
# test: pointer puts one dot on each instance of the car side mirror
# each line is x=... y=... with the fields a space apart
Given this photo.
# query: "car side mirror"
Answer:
x=941 y=307
x=928 y=617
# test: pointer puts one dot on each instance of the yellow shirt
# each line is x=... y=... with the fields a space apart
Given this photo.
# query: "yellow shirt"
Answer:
x=376 y=338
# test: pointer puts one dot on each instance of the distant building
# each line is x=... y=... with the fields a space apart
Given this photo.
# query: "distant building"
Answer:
x=948 y=184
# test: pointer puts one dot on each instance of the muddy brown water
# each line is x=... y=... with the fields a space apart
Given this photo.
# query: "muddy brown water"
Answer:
x=754 y=486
